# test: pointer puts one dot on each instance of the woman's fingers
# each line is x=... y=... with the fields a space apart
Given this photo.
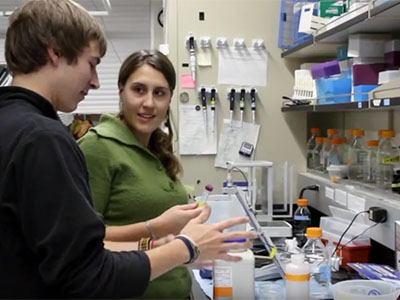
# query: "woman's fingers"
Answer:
x=203 y=216
x=231 y=222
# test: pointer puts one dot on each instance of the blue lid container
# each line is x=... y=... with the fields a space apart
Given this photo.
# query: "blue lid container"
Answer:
x=325 y=69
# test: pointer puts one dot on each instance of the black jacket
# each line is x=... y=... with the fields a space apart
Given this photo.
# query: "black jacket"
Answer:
x=51 y=239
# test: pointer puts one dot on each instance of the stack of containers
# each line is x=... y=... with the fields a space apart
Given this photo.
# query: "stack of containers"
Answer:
x=392 y=54
x=332 y=86
x=368 y=52
x=392 y=62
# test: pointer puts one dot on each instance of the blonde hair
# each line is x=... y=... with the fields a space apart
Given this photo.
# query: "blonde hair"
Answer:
x=38 y=24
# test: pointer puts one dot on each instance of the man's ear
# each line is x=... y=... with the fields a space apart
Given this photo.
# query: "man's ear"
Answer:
x=54 y=56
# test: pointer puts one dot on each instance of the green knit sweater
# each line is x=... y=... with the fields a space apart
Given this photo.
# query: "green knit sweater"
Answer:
x=130 y=185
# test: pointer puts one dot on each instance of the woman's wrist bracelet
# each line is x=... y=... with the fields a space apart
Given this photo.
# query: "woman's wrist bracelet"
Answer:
x=151 y=233
x=194 y=249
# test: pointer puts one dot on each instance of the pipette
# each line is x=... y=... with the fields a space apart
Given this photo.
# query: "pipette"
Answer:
x=207 y=190
x=192 y=54
x=253 y=104
x=213 y=102
x=241 y=105
x=265 y=239
x=204 y=107
x=231 y=105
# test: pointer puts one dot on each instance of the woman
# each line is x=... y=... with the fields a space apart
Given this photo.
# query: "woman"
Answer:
x=134 y=175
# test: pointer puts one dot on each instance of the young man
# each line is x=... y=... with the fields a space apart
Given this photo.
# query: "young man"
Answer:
x=51 y=239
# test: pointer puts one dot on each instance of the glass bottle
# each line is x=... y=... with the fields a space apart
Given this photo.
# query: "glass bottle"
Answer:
x=335 y=156
x=301 y=220
x=315 y=154
x=357 y=155
x=388 y=158
x=311 y=143
x=332 y=133
x=371 y=161
x=318 y=257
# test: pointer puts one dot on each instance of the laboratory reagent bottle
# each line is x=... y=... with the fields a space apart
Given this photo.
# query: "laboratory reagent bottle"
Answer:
x=315 y=154
x=326 y=147
x=234 y=280
x=311 y=143
x=297 y=278
x=301 y=220
x=388 y=158
x=371 y=161
x=318 y=257
x=357 y=155
x=335 y=155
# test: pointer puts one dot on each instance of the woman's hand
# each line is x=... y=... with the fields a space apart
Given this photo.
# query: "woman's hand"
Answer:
x=174 y=219
x=210 y=238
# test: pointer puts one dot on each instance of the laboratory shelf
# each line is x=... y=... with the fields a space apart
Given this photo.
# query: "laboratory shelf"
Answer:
x=350 y=106
x=355 y=197
x=378 y=16
x=297 y=108
x=387 y=103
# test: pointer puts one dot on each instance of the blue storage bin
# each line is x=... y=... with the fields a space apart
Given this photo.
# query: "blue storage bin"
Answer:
x=361 y=91
x=333 y=90
x=289 y=19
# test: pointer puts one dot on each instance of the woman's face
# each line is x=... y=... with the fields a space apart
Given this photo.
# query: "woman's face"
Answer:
x=145 y=100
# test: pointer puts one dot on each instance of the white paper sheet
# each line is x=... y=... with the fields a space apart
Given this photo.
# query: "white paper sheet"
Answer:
x=242 y=66
x=204 y=57
x=194 y=137
x=232 y=138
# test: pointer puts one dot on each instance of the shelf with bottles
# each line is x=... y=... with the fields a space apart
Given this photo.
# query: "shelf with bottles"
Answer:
x=353 y=196
x=348 y=106
x=375 y=104
x=376 y=16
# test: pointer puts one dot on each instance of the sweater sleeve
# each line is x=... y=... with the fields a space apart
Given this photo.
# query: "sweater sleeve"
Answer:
x=98 y=164
x=61 y=227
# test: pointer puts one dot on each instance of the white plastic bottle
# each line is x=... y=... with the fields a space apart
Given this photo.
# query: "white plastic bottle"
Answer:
x=234 y=280
x=297 y=278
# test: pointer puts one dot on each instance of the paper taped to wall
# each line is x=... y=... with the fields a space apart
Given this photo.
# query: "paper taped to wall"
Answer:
x=194 y=137
x=243 y=66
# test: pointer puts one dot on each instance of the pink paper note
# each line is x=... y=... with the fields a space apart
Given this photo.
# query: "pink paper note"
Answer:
x=187 y=82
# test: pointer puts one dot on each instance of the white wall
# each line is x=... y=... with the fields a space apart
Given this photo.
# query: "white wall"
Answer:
x=282 y=136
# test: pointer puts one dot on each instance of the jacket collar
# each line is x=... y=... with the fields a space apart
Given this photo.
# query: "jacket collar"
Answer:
x=112 y=127
x=22 y=94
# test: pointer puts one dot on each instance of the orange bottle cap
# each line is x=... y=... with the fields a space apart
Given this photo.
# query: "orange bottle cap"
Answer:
x=315 y=130
x=351 y=131
x=332 y=131
x=302 y=202
x=319 y=140
x=337 y=141
x=372 y=143
x=388 y=134
x=359 y=132
x=314 y=232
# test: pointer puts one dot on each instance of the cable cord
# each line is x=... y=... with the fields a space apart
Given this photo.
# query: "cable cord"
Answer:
x=347 y=229
x=313 y=187
x=358 y=235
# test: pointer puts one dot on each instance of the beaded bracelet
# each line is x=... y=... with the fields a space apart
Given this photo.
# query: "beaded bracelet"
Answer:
x=194 y=249
x=145 y=244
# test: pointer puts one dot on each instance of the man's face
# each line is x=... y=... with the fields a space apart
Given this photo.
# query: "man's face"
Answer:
x=77 y=79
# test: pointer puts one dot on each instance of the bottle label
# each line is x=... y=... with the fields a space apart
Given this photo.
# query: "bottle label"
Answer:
x=301 y=218
x=304 y=277
x=223 y=282
x=325 y=273
x=391 y=159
